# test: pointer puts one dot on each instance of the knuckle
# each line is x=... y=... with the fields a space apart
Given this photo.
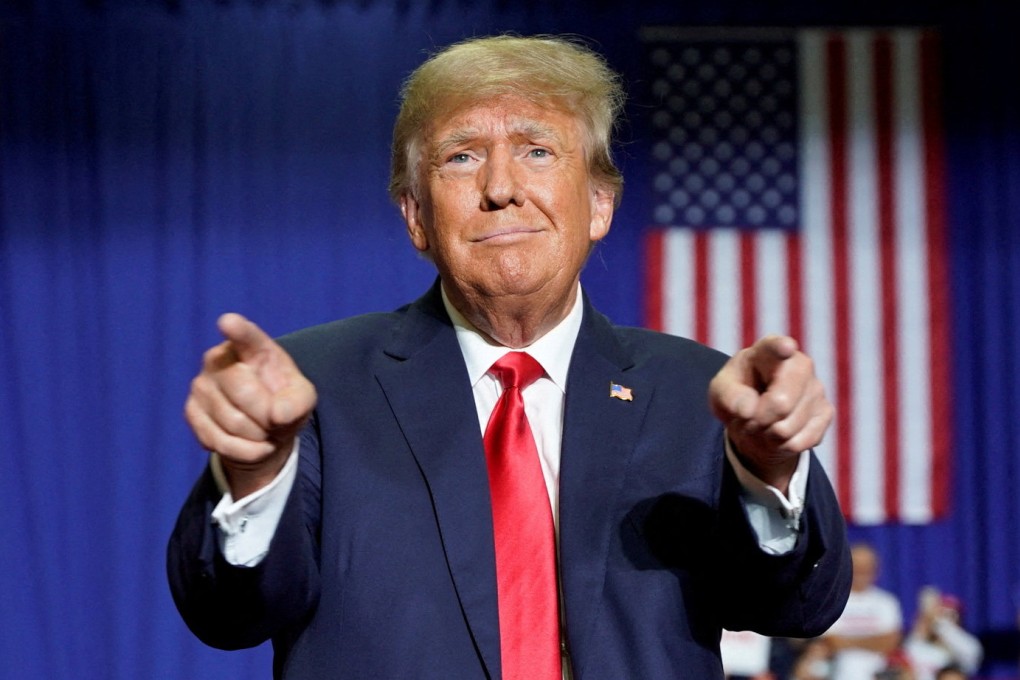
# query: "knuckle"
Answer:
x=220 y=443
x=780 y=402
x=190 y=407
x=784 y=430
x=313 y=394
x=235 y=422
x=244 y=392
x=799 y=444
x=201 y=385
x=828 y=413
x=212 y=355
x=205 y=435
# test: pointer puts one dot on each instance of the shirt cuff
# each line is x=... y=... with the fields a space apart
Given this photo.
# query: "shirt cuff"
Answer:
x=246 y=526
x=774 y=517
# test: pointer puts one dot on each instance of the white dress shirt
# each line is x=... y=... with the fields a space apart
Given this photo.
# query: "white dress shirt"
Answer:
x=247 y=525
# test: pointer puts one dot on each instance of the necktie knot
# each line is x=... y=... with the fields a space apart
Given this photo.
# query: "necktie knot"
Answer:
x=517 y=369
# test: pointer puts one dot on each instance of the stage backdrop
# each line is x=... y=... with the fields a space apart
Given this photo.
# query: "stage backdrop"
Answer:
x=164 y=162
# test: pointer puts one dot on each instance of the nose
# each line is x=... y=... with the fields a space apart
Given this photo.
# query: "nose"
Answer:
x=501 y=181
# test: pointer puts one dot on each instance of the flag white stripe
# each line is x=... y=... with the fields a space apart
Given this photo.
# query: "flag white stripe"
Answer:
x=724 y=324
x=679 y=291
x=865 y=284
x=771 y=283
x=816 y=241
x=914 y=340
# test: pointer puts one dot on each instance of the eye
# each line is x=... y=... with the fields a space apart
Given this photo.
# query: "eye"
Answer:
x=459 y=158
x=539 y=153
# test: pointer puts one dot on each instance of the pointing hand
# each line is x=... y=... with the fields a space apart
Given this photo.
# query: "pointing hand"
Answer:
x=248 y=404
x=773 y=406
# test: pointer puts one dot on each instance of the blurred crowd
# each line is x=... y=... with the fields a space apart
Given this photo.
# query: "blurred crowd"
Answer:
x=868 y=642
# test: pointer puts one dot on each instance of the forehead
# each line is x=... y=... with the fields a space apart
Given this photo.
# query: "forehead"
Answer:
x=503 y=117
x=863 y=557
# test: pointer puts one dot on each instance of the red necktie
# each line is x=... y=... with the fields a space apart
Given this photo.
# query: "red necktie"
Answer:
x=523 y=528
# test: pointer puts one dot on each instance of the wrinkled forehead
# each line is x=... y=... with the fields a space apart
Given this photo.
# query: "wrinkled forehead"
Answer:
x=505 y=117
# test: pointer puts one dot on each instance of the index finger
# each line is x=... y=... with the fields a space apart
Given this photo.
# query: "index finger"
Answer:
x=769 y=352
x=245 y=336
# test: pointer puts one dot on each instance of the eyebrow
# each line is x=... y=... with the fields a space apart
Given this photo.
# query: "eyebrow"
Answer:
x=455 y=139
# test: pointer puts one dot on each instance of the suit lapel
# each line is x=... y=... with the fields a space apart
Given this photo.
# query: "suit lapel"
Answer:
x=428 y=370
x=599 y=433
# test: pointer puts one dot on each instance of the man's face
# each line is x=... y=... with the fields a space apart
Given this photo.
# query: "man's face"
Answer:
x=505 y=206
x=865 y=568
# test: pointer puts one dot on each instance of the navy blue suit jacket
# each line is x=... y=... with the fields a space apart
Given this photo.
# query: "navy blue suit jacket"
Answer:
x=383 y=566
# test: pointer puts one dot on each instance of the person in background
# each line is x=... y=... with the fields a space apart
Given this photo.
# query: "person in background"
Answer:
x=814 y=662
x=950 y=673
x=937 y=640
x=871 y=626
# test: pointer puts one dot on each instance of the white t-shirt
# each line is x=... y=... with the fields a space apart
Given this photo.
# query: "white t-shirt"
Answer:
x=954 y=646
x=868 y=612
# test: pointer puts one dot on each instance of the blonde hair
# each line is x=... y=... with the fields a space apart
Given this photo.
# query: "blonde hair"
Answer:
x=547 y=70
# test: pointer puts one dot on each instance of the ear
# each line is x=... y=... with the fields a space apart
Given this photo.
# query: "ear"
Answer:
x=602 y=206
x=411 y=210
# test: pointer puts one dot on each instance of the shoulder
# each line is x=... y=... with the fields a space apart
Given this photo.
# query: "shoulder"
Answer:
x=887 y=599
x=342 y=344
x=352 y=330
x=664 y=352
x=871 y=599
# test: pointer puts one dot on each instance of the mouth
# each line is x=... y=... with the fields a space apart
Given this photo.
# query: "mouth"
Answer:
x=505 y=234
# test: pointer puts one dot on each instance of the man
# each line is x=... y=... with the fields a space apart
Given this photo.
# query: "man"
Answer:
x=374 y=536
x=871 y=626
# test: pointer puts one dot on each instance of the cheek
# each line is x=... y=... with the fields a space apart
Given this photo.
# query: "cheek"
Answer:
x=564 y=202
x=451 y=205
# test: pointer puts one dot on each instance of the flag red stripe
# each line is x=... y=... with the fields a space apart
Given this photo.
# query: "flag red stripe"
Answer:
x=938 y=272
x=701 y=288
x=654 y=279
x=748 y=289
x=838 y=141
x=883 y=73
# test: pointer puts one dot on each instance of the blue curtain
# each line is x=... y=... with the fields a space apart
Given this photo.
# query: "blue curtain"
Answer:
x=164 y=162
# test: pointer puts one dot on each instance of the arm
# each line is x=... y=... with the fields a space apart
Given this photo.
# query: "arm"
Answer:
x=966 y=649
x=231 y=607
x=798 y=593
x=882 y=643
x=248 y=404
x=774 y=409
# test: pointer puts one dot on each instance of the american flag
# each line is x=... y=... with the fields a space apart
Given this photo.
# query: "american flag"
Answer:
x=620 y=392
x=798 y=188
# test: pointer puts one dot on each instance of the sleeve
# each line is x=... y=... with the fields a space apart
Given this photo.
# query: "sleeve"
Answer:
x=234 y=606
x=798 y=593
x=774 y=517
x=965 y=648
x=246 y=526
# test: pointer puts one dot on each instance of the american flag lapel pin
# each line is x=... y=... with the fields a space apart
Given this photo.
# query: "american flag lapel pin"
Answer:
x=620 y=392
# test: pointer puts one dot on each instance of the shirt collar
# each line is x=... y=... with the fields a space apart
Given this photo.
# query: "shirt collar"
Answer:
x=552 y=350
